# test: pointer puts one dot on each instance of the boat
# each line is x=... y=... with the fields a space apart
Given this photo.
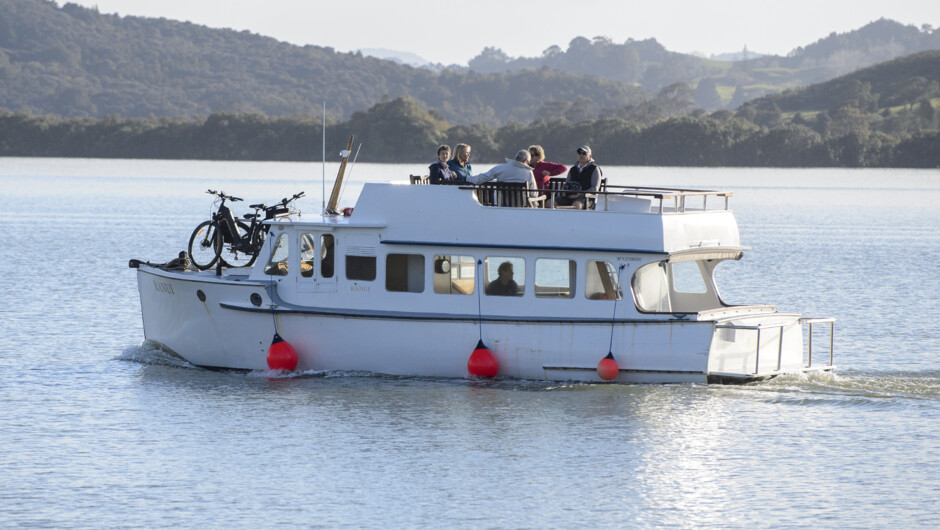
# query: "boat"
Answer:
x=403 y=284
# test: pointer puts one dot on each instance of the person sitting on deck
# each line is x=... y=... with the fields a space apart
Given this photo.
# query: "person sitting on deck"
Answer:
x=583 y=177
x=517 y=170
x=503 y=285
x=543 y=169
x=439 y=171
x=460 y=164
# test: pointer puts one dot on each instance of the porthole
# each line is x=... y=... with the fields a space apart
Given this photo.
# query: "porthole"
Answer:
x=256 y=299
x=201 y=295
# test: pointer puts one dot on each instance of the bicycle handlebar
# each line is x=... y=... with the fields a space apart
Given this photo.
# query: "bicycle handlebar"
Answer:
x=223 y=196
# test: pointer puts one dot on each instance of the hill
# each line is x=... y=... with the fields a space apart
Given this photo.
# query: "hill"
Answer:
x=649 y=65
x=73 y=61
x=893 y=83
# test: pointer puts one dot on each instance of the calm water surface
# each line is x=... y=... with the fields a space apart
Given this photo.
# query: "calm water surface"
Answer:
x=99 y=431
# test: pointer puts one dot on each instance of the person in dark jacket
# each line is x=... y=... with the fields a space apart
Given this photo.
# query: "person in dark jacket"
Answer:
x=460 y=164
x=439 y=171
x=584 y=177
x=503 y=285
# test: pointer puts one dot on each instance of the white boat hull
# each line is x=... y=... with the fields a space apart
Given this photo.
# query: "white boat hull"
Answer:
x=225 y=331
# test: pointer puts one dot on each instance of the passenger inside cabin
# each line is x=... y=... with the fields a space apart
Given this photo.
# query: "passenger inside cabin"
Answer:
x=583 y=177
x=460 y=164
x=543 y=170
x=439 y=172
x=503 y=285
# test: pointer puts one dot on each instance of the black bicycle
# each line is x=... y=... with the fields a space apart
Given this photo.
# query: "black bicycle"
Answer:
x=231 y=240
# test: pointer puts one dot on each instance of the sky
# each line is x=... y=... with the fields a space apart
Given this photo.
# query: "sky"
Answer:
x=455 y=32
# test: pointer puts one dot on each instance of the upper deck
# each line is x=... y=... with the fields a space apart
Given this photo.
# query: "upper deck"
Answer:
x=625 y=219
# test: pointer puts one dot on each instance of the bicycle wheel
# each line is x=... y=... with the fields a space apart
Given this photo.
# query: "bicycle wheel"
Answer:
x=205 y=245
x=240 y=258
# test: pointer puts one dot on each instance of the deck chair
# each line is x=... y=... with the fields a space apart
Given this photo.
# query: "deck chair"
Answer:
x=507 y=194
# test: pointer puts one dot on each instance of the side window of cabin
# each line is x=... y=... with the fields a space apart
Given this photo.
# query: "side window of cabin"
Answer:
x=360 y=268
x=600 y=281
x=404 y=273
x=651 y=290
x=277 y=265
x=504 y=276
x=454 y=274
x=360 y=257
x=555 y=278
x=327 y=255
x=687 y=277
x=307 y=255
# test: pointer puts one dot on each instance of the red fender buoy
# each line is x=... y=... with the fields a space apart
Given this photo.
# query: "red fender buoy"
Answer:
x=482 y=362
x=281 y=355
x=608 y=368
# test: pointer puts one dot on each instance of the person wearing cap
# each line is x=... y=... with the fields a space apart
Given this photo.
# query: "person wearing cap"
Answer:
x=584 y=176
x=517 y=170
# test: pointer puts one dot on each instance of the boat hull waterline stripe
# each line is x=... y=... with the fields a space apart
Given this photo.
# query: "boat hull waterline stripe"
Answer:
x=397 y=315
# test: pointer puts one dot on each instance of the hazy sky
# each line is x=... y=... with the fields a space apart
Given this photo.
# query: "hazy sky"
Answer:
x=454 y=32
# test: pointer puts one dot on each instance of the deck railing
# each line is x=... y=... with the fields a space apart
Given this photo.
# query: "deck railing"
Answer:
x=683 y=200
x=808 y=352
x=662 y=200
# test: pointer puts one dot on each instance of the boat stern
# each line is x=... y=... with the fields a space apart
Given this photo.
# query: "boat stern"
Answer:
x=757 y=342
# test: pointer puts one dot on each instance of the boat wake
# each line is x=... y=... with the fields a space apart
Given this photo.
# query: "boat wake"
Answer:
x=852 y=384
x=807 y=388
x=149 y=352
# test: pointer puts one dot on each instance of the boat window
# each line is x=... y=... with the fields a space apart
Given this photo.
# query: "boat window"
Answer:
x=277 y=265
x=505 y=276
x=555 y=278
x=454 y=274
x=687 y=277
x=327 y=246
x=307 y=255
x=651 y=290
x=360 y=268
x=601 y=282
x=404 y=273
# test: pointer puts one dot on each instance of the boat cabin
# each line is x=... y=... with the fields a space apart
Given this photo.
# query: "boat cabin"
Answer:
x=436 y=249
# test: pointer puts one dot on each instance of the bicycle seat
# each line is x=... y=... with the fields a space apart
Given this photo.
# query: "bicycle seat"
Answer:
x=257 y=206
x=250 y=215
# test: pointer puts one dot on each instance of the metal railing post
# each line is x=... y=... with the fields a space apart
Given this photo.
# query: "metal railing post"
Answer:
x=757 y=354
x=809 y=347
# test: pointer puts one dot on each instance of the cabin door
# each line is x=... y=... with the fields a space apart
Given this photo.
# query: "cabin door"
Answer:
x=317 y=260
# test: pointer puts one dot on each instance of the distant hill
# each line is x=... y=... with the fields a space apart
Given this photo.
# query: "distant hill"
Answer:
x=894 y=83
x=73 y=61
x=399 y=57
x=648 y=64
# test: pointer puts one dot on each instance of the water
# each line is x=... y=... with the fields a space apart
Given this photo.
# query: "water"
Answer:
x=97 y=430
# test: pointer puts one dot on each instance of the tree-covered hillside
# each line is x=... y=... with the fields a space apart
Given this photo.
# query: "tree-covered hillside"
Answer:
x=73 y=61
x=722 y=84
x=857 y=133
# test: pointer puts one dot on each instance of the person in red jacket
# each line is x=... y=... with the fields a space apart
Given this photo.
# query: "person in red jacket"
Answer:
x=541 y=169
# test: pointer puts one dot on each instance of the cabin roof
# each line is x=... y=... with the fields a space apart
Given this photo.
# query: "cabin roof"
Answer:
x=451 y=215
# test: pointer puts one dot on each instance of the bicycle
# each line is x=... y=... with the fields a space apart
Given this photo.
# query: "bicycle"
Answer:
x=225 y=233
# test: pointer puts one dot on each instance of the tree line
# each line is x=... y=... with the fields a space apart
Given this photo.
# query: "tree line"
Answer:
x=403 y=131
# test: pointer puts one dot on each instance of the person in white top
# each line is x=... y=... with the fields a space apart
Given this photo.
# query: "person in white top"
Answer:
x=517 y=170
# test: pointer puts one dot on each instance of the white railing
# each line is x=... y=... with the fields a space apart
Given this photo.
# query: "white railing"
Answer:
x=809 y=349
x=683 y=200
x=809 y=341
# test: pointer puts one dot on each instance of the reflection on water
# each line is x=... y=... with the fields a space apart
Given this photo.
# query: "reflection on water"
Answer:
x=101 y=430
